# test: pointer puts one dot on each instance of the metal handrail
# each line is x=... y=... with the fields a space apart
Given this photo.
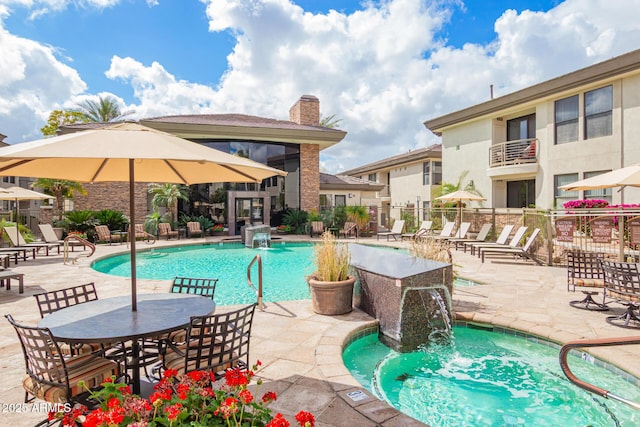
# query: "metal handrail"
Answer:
x=258 y=291
x=602 y=342
x=84 y=242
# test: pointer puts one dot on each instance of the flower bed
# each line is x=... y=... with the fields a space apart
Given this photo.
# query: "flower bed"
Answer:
x=187 y=400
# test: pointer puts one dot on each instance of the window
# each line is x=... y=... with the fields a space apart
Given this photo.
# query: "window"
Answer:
x=341 y=200
x=563 y=196
x=566 y=115
x=597 y=112
x=324 y=201
x=601 y=193
x=425 y=210
x=521 y=128
x=426 y=172
x=372 y=177
x=437 y=173
x=9 y=179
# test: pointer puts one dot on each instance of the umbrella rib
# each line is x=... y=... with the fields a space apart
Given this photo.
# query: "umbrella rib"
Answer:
x=20 y=163
x=176 y=172
x=239 y=172
x=102 y=165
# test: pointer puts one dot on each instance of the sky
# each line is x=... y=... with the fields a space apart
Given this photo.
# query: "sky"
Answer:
x=382 y=67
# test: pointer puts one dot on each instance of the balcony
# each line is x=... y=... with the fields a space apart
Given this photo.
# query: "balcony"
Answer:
x=513 y=158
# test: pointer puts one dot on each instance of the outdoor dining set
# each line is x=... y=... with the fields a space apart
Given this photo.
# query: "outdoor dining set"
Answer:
x=82 y=340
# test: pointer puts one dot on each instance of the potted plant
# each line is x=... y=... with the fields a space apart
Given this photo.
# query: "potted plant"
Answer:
x=331 y=285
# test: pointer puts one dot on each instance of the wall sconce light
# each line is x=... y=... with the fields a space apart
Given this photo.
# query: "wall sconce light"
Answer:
x=351 y=195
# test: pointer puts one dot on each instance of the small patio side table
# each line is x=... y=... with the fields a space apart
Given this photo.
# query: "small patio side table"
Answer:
x=112 y=320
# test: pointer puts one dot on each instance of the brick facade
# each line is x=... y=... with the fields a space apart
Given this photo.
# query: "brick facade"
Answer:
x=306 y=111
x=309 y=177
x=113 y=195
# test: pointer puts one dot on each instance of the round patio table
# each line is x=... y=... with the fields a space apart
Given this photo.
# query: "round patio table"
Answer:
x=112 y=320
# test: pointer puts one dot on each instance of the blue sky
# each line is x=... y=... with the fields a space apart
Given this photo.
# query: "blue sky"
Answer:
x=382 y=67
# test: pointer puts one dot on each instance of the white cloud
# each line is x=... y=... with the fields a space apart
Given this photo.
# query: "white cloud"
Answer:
x=383 y=69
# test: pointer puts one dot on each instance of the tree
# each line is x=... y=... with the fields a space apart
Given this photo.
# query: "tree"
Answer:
x=60 y=189
x=167 y=195
x=104 y=110
x=330 y=121
x=59 y=118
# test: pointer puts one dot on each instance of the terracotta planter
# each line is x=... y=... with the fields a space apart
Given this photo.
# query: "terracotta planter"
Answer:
x=331 y=298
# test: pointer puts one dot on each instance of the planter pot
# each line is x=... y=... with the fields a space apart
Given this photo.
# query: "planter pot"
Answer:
x=331 y=298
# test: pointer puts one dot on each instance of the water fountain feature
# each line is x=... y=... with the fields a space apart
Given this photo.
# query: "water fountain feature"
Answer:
x=261 y=240
x=250 y=233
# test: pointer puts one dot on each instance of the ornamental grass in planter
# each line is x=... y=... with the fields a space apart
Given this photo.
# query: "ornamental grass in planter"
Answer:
x=331 y=286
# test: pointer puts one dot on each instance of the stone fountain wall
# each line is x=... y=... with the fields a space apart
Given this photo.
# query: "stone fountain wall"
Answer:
x=410 y=297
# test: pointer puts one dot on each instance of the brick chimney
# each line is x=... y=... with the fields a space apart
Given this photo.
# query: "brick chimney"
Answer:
x=306 y=111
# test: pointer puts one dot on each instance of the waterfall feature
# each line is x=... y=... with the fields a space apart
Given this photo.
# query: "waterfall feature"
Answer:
x=261 y=240
x=410 y=297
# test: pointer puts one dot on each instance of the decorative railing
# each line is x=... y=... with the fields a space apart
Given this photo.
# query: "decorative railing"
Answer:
x=513 y=152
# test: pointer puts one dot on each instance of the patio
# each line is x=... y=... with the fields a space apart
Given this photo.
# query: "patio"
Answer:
x=301 y=351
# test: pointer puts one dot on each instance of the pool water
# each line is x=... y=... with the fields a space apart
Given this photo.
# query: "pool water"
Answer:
x=488 y=378
x=285 y=267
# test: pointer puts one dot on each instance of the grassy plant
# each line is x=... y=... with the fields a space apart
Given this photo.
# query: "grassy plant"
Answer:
x=332 y=259
x=432 y=249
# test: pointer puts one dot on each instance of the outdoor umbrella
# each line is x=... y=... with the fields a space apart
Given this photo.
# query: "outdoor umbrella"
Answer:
x=128 y=152
x=18 y=193
x=459 y=197
x=629 y=176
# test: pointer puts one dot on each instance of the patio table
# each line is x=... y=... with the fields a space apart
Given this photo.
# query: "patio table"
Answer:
x=112 y=320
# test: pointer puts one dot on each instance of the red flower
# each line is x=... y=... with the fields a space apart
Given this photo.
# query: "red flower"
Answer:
x=278 y=421
x=269 y=397
x=173 y=411
x=305 y=419
x=237 y=377
x=245 y=396
x=197 y=375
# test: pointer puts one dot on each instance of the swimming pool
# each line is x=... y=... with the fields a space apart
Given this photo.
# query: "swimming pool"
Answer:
x=488 y=378
x=285 y=267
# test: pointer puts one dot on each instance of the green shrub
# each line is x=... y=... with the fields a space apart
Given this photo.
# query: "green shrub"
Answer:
x=296 y=219
x=115 y=220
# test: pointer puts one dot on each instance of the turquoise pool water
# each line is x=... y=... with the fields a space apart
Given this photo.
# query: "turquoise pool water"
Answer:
x=285 y=267
x=489 y=379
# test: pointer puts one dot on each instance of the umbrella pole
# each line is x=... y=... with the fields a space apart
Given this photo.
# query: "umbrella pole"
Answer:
x=132 y=236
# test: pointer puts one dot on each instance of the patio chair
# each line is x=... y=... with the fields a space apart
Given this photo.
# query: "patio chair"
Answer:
x=396 y=230
x=17 y=242
x=164 y=230
x=481 y=237
x=463 y=229
x=317 y=227
x=192 y=285
x=214 y=343
x=584 y=271
x=501 y=241
x=49 y=236
x=348 y=229
x=423 y=230
x=52 y=376
x=138 y=230
x=524 y=251
x=622 y=283
x=446 y=231
x=103 y=234
x=193 y=228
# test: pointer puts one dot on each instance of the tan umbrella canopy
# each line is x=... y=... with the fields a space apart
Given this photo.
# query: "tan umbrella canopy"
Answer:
x=629 y=176
x=459 y=197
x=18 y=193
x=128 y=152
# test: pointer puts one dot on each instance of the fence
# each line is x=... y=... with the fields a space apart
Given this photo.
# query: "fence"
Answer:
x=594 y=230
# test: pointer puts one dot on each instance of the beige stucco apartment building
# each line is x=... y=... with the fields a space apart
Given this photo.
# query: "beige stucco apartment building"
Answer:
x=410 y=180
x=519 y=148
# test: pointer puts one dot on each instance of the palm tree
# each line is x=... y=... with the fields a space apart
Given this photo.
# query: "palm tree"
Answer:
x=330 y=121
x=167 y=195
x=104 y=110
x=60 y=189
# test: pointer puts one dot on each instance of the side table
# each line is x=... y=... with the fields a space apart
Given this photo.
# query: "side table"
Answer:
x=7 y=275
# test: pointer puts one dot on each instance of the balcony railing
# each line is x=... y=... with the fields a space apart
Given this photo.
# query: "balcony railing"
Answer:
x=513 y=152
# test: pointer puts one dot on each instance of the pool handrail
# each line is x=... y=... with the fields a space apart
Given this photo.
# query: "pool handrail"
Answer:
x=85 y=243
x=258 y=291
x=600 y=342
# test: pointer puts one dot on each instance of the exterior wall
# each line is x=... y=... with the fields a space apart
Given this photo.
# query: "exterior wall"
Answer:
x=113 y=195
x=309 y=177
x=406 y=185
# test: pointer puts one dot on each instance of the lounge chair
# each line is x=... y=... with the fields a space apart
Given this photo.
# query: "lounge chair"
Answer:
x=523 y=251
x=501 y=240
x=103 y=234
x=423 y=230
x=584 y=271
x=193 y=228
x=349 y=229
x=446 y=231
x=49 y=236
x=317 y=227
x=460 y=234
x=164 y=230
x=481 y=237
x=18 y=242
x=396 y=230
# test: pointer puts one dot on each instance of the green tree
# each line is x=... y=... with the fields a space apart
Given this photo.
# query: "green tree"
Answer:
x=104 y=110
x=330 y=121
x=359 y=215
x=59 y=118
x=167 y=195
x=60 y=189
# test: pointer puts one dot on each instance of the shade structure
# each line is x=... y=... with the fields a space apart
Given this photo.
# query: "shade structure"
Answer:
x=18 y=193
x=128 y=152
x=628 y=176
x=459 y=197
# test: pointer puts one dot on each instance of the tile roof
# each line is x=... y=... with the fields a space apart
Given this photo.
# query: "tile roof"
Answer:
x=334 y=182
x=433 y=151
